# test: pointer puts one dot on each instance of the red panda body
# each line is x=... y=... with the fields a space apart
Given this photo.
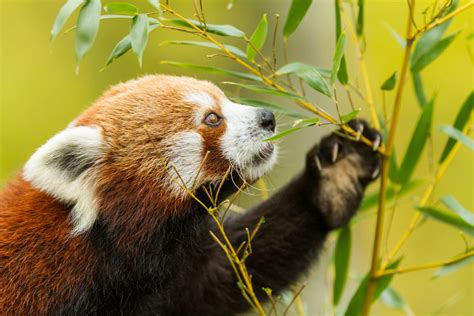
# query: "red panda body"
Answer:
x=100 y=220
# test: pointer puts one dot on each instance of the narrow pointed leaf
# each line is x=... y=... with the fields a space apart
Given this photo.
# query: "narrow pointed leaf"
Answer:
x=342 y=74
x=460 y=122
x=64 y=13
x=139 y=35
x=389 y=84
x=371 y=199
x=360 y=18
x=447 y=218
x=236 y=51
x=307 y=123
x=341 y=262
x=223 y=30
x=258 y=38
x=296 y=14
x=121 y=8
x=457 y=135
x=400 y=40
x=419 y=89
x=452 y=267
x=423 y=60
x=155 y=4
x=263 y=89
x=391 y=298
x=355 y=305
x=269 y=106
x=308 y=74
x=393 y=168
x=417 y=143
x=213 y=70
x=349 y=116
x=453 y=204
x=87 y=27
x=336 y=60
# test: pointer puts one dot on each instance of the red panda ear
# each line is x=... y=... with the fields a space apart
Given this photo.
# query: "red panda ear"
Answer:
x=62 y=168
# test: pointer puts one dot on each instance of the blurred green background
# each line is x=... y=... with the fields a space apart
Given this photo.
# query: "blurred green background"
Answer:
x=41 y=94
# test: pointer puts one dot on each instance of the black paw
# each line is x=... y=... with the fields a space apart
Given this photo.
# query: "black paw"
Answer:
x=341 y=168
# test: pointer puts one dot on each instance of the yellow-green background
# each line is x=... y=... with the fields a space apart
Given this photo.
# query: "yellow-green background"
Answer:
x=41 y=94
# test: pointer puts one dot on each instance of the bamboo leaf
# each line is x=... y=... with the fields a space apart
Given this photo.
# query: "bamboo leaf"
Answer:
x=342 y=74
x=258 y=38
x=308 y=74
x=421 y=61
x=87 y=27
x=391 y=298
x=393 y=168
x=155 y=4
x=419 y=89
x=236 y=51
x=400 y=40
x=296 y=14
x=453 y=204
x=263 y=89
x=223 y=30
x=213 y=70
x=306 y=123
x=355 y=305
x=349 y=116
x=360 y=18
x=139 y=35
x=121 y=8
x=460 y=122
x=64 y=13
x=444 y=217
x=371 y=200
x=457 y=135
x=389 y=84
x=269 y=106
x=336 y=60
x=452 y=267
x=417 y=143
x=341 y=262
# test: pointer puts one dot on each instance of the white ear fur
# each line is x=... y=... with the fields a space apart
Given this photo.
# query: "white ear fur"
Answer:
x=62 y=168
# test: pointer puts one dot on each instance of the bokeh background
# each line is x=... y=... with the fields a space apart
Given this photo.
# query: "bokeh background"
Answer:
x=41 y=94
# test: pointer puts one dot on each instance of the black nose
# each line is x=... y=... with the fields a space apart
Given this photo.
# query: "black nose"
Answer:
x=267 y=120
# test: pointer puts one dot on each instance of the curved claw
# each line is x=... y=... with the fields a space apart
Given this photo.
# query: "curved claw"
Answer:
x=360 y=130
x=318 y=163
x=376 y=172
x=376 y=142
x=335 y=151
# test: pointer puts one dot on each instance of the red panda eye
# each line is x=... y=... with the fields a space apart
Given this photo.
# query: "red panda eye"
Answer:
x=212 y=119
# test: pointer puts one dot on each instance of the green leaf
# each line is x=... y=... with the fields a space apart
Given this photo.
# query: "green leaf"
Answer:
x=263 y=89
x=234 y=50
x=393 y=168
x=452 y=220
x=349 y=116
x=360 y=18
x=121 y=8
x=453 y=204
x=64 y=13
x=422 y=60
x=419 y=90
x=213 y=70
x=355 y=305
x=460 y=122
x=307 y=123
x=87 y=27
x=341 y=262
x=258 y=38
x=400 y=40
x=342 y=74
x=417 y=143
x=308 y=74
x=336 y=60
x=389 y=84
x=223 y=30
x=269 y=106
x=371 y=200
x=139 y=35
x=296 y=14
x=391 y=298
x=457 y=135
x=155 y=4
x=452 y=267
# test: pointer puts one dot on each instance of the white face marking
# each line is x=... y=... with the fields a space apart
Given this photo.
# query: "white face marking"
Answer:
x=204 y=102
x=62 y=168
x=242 y=142
x=186 y=156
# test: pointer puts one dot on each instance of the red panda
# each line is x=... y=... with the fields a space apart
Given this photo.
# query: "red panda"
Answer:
x=97 y=222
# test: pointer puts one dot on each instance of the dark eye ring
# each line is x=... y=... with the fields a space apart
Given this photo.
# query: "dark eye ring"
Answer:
x=212 y=119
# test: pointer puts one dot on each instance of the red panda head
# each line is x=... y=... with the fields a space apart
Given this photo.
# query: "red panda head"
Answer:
x=145 y=139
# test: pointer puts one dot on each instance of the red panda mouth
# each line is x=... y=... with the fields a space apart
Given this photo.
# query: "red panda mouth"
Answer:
x=265 y=152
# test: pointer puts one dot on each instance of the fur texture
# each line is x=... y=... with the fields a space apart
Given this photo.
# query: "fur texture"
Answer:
x=98 y=222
